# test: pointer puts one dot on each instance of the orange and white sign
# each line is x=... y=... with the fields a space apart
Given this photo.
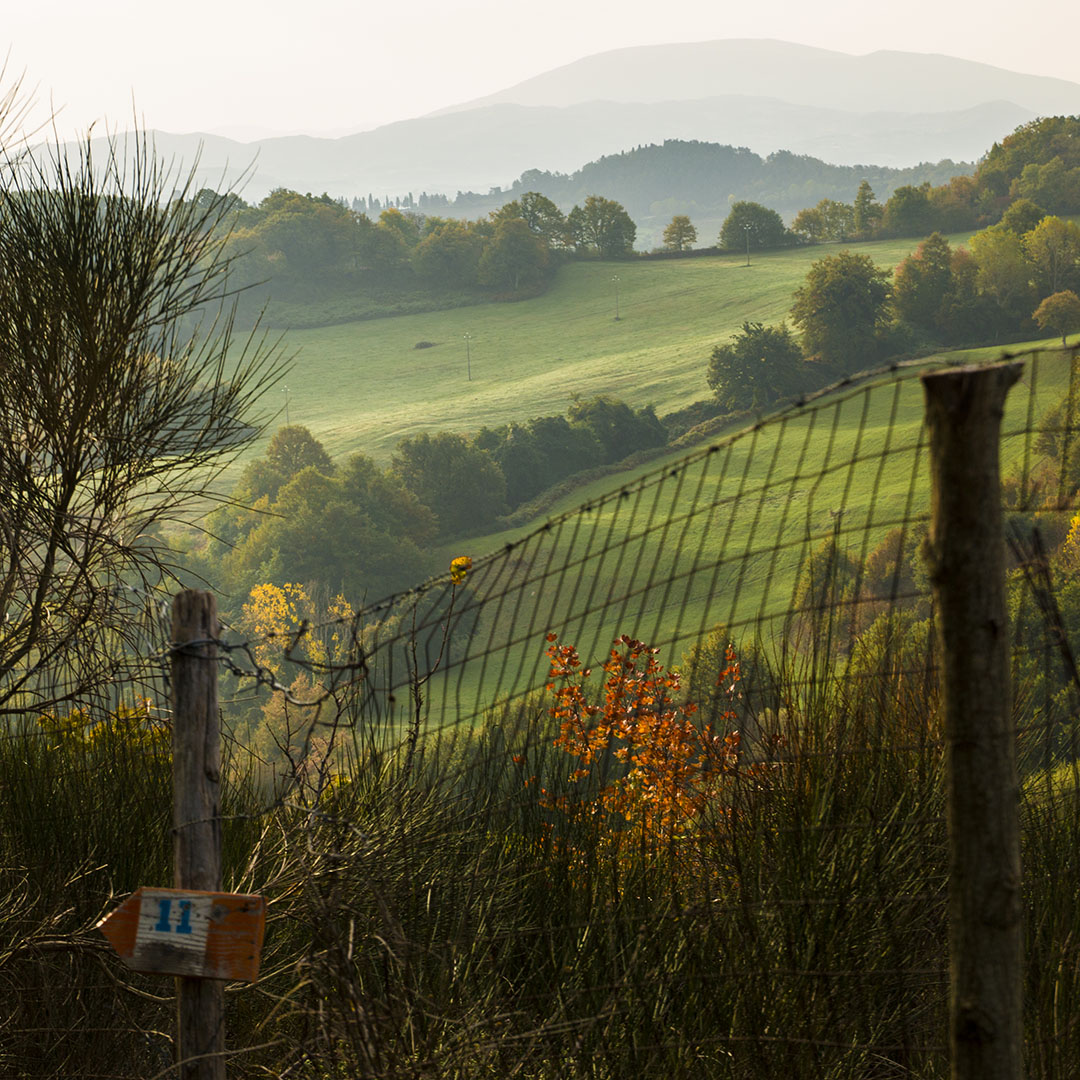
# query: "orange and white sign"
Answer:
x=203 y=935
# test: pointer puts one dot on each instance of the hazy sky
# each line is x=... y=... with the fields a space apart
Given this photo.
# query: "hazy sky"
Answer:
x=335 y=66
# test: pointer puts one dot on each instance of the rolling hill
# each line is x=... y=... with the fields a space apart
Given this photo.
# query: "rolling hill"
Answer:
x=362 y=386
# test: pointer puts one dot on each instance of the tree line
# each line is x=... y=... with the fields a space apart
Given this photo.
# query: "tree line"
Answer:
x=300 y=247
x=297 y=515
x=686 y=177
x=1017 y=277
x=1039 y=163
x=414 y=256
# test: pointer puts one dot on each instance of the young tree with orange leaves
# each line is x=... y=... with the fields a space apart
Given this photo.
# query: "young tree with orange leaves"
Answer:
x=675 y=768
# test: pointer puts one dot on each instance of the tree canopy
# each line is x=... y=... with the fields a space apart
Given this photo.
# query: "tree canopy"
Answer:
x=922 y=281
x=909 y=212
x=602 y=224
x=680 y=234
x=516 y=256
x=842 y=308
x=1059 y=312
x=619 y=429
x=1022 y=216
x=461 y=483
x=544 y=219
x=753 y=224
x=828 y=220
x=1053 y=249
x=1039 y=161
x=758 y=367
x=1004 y=275
x=358 y=531
x=449 y=254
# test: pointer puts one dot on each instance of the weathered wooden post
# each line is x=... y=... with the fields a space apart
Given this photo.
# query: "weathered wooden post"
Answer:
x=196 y=756
x=964 y=407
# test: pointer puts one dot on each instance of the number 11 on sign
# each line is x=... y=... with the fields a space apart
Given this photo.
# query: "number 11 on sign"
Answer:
x=183 y=926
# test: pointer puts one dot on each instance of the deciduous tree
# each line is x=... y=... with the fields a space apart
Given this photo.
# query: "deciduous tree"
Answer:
x=751 y=222
x=460 y=482
x=602 y=224
x=1051 y=184
x=841 y=308
x=758 y=367
x=619 y=429
x=449 y=255
x=1053 y=247
x=1061 y=313
x=514 y=257
x=922 y=283
x=680 y=234
x=1004 y=274
x=829 y=220
x=953 y=205
x=1022 y=216
x=809 y=223
x=358 y=531
x=544 y=219
x=908 y=212
x=290 y=450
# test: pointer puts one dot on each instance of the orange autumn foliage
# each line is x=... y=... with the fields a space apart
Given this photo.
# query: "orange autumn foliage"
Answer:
x=676 y=768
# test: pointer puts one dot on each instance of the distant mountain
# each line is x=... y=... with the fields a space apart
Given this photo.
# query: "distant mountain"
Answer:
x=491 y=146
x=877 y=82
x=888 y=108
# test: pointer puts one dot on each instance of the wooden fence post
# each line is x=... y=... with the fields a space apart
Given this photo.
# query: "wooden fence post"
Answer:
x=964 y=407
x=196 y=756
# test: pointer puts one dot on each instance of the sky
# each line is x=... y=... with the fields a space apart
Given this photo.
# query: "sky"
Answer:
x=332 y=67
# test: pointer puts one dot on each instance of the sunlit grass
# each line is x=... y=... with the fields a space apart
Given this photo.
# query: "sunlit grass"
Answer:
x=362 y=386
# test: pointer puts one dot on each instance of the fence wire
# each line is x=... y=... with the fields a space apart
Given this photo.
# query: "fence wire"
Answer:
x=653 y=789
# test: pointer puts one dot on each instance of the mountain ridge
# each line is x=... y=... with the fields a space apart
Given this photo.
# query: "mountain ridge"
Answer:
x=490 y=147
x=802 y=74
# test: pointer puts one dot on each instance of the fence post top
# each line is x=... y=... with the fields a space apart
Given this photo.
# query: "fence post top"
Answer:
x=1012 y=369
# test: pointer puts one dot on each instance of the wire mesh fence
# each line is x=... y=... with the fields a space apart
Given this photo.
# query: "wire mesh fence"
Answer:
x=657 y=788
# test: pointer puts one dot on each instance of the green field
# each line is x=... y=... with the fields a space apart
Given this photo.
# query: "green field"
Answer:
x=668 y=550
x=363 y=386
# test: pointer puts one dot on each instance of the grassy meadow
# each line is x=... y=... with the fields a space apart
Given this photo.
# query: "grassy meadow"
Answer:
x=362 y=386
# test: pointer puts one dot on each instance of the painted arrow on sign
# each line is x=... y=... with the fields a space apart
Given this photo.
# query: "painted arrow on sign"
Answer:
x=204 y=935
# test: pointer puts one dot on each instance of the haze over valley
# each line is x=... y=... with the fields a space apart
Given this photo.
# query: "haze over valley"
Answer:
x=889 y=109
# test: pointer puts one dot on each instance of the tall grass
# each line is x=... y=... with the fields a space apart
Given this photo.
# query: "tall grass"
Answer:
x=431 y=916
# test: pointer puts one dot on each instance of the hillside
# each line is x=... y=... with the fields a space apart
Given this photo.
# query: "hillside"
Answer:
x=778 y=484
x=363 y=386
x=703 y=180
x=489 y=147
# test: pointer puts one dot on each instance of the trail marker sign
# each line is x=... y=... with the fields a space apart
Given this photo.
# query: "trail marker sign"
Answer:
x=203 y=935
